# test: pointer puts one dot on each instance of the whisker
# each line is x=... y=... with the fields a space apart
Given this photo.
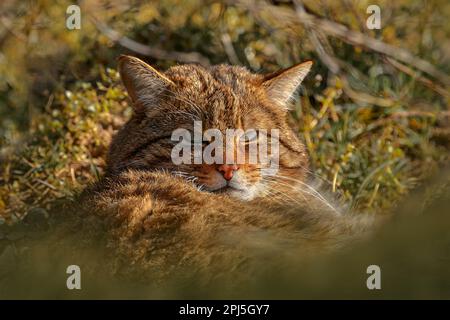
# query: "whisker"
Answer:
x=313 y=192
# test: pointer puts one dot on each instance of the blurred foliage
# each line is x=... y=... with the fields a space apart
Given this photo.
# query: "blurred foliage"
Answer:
x=67 y=147
x=60 y=99
x=412 y=250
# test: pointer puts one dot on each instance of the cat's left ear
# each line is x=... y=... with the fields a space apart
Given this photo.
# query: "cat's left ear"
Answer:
x=145 y=85
x=281 y=85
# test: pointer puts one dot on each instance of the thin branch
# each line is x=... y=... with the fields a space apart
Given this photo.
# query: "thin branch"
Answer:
x=427 y=82
x=130 y=44
x=229 y=49
x=326 y=54
x=407 y=114
x=8 y=25
x=364 y=97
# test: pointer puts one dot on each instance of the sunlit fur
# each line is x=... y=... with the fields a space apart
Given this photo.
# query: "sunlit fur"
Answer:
x=157 y=217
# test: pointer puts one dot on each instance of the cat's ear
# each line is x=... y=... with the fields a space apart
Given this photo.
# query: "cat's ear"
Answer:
x=145 y=85
x=281 y=85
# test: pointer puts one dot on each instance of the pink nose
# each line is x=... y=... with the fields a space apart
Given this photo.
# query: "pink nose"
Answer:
x=227 y=170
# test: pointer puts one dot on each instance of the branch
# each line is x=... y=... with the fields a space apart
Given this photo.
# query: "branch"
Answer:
x=229 y=49
x=413 y=74
x=130 y=44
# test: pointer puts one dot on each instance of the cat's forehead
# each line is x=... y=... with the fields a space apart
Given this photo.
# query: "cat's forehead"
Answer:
x=221 y=96
x=193 y=76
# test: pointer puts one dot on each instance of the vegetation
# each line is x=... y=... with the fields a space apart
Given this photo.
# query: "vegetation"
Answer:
x=375 y=123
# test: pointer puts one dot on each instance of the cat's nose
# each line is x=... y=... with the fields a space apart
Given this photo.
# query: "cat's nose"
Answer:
x=227 y=170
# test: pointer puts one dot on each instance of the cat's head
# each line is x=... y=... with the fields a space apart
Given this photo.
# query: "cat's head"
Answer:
x=194 y=99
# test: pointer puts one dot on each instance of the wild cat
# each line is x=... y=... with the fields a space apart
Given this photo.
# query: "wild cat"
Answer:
x=159 y=216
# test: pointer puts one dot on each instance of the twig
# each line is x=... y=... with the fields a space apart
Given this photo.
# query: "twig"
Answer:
x=427 y=82
x=45 y=183
x=113 y=35
x=229 y=49
x=8 y=24
x=365 y=97
x=407 y=114
x=327 y=56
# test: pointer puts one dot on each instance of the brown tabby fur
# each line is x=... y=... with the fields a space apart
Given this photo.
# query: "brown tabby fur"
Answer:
x=157 y=221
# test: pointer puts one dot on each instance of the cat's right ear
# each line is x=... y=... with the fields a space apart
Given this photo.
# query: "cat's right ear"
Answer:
x=144 y=84
x=281 y=85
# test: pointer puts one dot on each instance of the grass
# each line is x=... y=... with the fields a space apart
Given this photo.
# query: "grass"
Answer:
x=67 y=148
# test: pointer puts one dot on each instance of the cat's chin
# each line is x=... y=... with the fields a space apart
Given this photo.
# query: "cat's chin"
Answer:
x=241 y=194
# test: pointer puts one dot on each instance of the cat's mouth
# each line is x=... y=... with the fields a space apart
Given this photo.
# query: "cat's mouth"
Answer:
x=233 y=188
x=245 y=194
x=228 y=188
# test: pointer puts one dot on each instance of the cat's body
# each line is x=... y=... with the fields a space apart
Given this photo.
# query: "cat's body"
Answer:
x=156 y=223
x=160 y=217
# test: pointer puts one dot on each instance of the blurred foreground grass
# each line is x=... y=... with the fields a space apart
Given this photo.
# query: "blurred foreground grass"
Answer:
x=412 y=251
x=61 y=100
